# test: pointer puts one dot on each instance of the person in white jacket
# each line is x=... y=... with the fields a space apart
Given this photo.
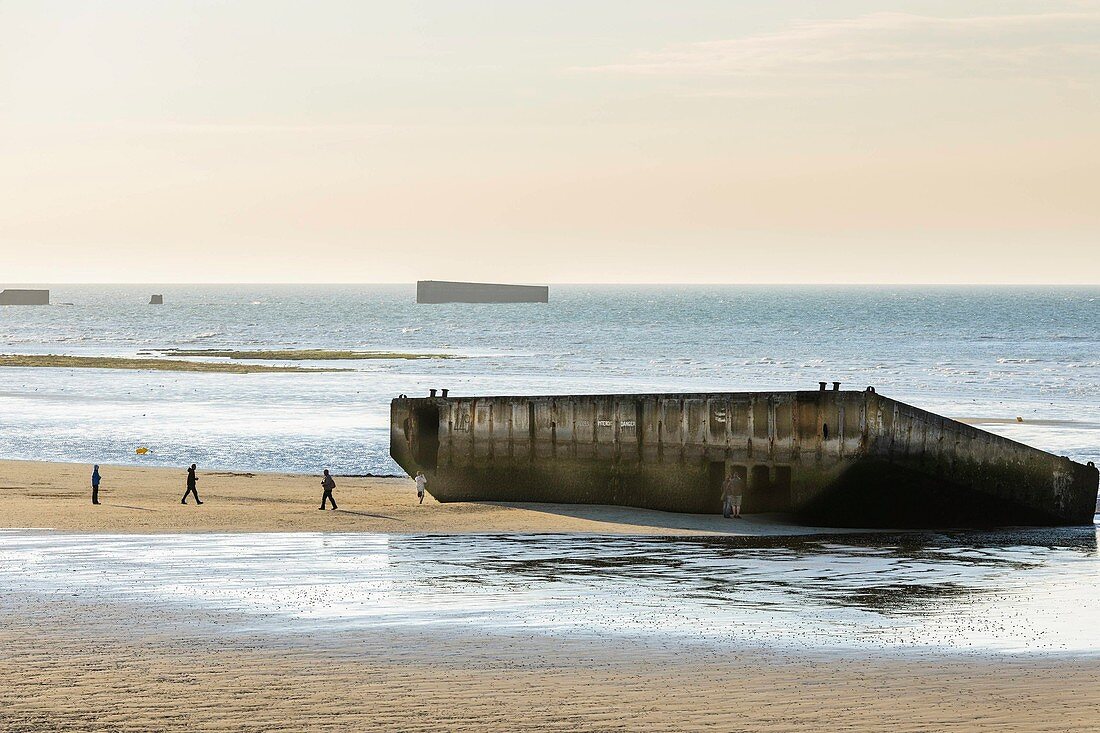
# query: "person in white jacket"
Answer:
x=421 y=485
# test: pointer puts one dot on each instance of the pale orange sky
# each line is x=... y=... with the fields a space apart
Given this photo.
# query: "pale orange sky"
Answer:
x=565 y=141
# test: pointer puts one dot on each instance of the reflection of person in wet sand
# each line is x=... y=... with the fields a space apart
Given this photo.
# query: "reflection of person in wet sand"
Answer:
x=95 y=484
x=421 y=485
x=328 y=484
x=192 y=481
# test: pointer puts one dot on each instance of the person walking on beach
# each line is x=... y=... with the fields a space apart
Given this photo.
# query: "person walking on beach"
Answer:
x=95 y=484
x=192 y=481
x=732 y=491
x=421 y=485
x=328 y=484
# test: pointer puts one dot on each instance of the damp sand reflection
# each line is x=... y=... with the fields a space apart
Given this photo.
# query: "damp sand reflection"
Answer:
x=1010 y=591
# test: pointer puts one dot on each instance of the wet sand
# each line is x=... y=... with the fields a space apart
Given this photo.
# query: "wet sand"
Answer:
x=66 y=671
x=1003 y=421
x=86 y=662
x=144 y=500
x=299 y=354
x=62 y=361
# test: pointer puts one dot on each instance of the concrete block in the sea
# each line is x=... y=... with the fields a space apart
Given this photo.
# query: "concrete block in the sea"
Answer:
x=443 y=291
x=156 y=300
x=16 y=296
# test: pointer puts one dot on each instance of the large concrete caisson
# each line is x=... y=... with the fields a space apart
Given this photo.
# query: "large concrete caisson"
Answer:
x=443 y=291
x=845 y=458
x=10 y=296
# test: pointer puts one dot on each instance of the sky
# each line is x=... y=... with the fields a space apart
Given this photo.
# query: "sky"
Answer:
x=721 y=141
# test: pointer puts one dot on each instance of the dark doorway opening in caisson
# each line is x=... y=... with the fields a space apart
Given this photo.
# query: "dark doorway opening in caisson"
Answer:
x=426 y=437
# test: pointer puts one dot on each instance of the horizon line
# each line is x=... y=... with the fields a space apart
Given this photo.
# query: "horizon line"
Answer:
x=305 y=283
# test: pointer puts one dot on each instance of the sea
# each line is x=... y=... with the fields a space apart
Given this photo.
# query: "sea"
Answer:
x=1020 y=361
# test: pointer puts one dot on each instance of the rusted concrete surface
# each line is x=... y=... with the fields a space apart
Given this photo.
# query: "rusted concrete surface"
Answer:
x=845 y=458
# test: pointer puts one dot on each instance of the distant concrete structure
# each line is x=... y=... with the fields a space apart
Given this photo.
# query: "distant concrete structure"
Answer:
x=842 y=458
x=156 y=300
x=11 y=296
x=443 y=291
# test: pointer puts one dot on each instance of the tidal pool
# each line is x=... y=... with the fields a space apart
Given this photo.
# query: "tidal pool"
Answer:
x=1028 y=590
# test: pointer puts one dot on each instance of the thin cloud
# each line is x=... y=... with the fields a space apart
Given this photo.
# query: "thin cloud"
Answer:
x=233 y=128
x=891 y=45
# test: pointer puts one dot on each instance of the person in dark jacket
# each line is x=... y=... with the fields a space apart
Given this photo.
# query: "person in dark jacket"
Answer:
x=328 y=484
x=95 y=484
x=192 y=480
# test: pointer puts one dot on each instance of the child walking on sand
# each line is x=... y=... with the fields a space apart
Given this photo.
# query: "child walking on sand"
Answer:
x=421 y=485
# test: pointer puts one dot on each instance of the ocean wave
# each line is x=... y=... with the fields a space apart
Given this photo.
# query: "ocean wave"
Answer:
x=203 y=336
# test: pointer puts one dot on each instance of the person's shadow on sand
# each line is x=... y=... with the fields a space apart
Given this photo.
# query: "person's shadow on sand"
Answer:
x=372 y=516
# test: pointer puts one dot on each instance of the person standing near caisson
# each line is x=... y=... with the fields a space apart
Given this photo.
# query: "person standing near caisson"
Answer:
x=733 y=489
x=421 y=485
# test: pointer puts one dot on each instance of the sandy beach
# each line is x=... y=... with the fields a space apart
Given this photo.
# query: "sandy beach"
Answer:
x=78 y=668
x=69 y=676
x=142 y=500
x=78 y=660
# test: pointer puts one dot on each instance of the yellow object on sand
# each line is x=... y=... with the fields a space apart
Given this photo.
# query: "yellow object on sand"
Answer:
x=142 y=451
